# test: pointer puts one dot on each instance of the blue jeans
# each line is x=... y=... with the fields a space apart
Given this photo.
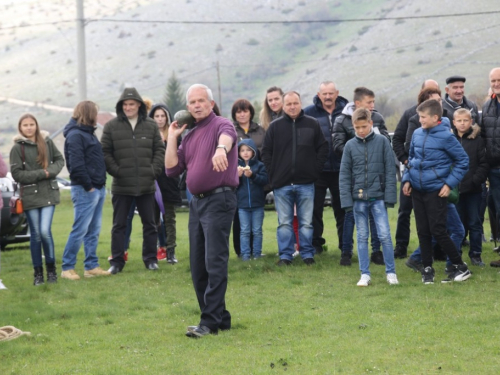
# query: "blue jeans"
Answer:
x=455 y=230
x=468 y=207
x=285 y=199
x=251 y=220
x=348 y=233
x=86 y=227
x=361 y=210
x=40 y=221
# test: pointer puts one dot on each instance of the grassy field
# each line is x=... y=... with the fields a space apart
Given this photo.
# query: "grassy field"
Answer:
x=299 y=320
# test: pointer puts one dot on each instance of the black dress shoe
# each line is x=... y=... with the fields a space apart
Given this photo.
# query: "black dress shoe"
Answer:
x=114 y=270
x=153 y=266
x=200 y=331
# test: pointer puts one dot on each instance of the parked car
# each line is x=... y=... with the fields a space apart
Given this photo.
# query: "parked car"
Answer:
x=63 y=183
x=13 y=228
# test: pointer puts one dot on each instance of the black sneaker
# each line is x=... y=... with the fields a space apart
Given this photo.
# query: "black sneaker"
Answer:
x=309 y=261
x=477 y=261
x=428 y=275
x=414 y=265
x=461 y=273
x=284 y=262
x=378 y=258
x=400 y=252
x=345 y=259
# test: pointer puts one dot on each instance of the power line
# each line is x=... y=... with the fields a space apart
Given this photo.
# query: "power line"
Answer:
x=268 y=22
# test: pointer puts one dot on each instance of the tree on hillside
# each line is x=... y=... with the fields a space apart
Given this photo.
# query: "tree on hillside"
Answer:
x=174 y=96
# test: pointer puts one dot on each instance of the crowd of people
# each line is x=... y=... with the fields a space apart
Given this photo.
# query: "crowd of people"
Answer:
x=449 y=148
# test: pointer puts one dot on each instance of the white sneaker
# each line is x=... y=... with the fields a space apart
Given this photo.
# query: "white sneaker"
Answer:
x=365 y=280
x=2 y=286
x=392 y=279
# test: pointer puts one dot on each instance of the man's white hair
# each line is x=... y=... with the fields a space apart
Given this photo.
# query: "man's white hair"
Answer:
x=199 y=86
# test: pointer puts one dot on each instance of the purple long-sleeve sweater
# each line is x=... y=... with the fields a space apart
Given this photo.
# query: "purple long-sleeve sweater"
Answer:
x=196 y=151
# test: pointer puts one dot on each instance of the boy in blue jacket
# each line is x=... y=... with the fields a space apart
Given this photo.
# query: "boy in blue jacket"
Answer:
x=251 y=198
x=437 y=163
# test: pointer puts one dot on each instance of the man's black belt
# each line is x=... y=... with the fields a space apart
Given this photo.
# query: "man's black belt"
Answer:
x=215 y=191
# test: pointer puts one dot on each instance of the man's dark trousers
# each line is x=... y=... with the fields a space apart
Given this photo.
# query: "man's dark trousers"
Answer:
x=431 y=213
x=146 y=206
x=327 y=180
x=210 y=221
x=403 y=225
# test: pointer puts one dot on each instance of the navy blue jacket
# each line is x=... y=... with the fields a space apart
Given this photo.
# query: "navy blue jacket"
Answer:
x=84 y=156
x=326 y=122
x=250 y=192
x=436 y=158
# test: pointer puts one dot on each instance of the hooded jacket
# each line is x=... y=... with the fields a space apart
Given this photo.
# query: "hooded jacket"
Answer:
x=250 y=192
x=36 y=189
x=295 y=150
x=134 y=157
x=436 y=158
x=343 y=129
x=169 y=186
x=490 y=131
x=367 y=171
x=326 y=121
x=473 y=145
x=84 y=157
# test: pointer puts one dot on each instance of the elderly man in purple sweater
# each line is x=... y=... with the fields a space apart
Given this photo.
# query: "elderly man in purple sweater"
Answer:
x=209 y=155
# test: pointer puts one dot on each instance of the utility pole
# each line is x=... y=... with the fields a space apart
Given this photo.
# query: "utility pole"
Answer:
x=80 y=34
x=218 y=80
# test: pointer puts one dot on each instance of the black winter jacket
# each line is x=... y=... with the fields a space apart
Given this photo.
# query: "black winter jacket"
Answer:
x=84 y=157
x=473 y=145
x=490 y=131
x=326 y=122
x=399 y=138
x=294 y=151
x=343 y=129
x=134 y=158
x=250 y=192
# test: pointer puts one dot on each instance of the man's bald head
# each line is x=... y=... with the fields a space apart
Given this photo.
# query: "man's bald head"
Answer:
x=430 y=83
x=495 y=82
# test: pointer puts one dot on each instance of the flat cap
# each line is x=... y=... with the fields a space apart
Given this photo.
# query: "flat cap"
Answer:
x=454 y=79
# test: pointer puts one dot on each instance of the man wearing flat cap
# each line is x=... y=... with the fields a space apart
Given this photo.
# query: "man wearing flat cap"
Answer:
x=455 y=99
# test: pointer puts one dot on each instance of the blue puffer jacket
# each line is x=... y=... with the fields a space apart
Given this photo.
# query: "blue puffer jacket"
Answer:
x=326 y=121
x=250 y=192
x=436 y=158
x=84 y=156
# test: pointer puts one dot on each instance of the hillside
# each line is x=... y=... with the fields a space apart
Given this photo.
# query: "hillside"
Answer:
x=392 y=57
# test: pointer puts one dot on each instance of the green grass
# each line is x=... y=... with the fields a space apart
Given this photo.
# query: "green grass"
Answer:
x=302 y=320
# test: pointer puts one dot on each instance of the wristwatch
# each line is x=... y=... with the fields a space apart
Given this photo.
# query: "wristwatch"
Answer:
x=224 y=147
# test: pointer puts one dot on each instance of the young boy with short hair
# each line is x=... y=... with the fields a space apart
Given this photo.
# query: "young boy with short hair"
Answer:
x=368 y=185
x=251 y=198
x=437 y=163
x=470 y=189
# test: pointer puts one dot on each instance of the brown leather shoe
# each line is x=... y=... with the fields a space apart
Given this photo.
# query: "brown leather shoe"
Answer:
x=495 y=263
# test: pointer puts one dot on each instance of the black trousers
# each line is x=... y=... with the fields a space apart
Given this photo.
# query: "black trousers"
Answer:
x=327 y=180
x=146 y=207
x=403 y=225
x=210 y=222
x=431 y=213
